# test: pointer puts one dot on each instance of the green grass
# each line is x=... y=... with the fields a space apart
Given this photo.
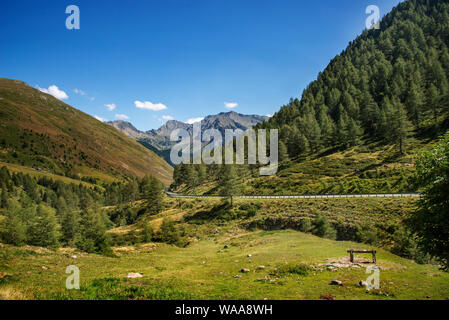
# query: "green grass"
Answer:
x=218 y=248
x=369 y=168
x=204 y=270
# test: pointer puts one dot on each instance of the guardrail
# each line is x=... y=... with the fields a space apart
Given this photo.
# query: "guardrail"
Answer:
x=324 y=196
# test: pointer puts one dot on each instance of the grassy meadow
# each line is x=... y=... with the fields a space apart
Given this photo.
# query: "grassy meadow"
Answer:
x=282 y=264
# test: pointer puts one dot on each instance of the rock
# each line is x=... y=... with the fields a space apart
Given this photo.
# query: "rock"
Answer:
x=74 y=257
x=203 y=262
x=363 y=284
x=250 y=255
x=261 y=267
x=336 y=283
x=44 y=268
x=237 y=276
x=133 y=275
x=225 y=246
x=244 y=270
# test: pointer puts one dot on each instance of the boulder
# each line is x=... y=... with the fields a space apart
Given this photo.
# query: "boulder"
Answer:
x=244 y=270
x=134 y=275
x=336 y=283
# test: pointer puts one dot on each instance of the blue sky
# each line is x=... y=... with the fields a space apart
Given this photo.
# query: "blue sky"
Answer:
x=157 y=60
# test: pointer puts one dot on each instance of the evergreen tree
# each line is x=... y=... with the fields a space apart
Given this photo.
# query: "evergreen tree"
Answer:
x=92 y=236
x=152 y=192
x=283 y=154
x=228 y=182
x=401 y=125
x=168 y=232
x=147 y=233
x=14 y=228
x=44 y=231
x=69 y=226
x=415 y=103
x=4 y=196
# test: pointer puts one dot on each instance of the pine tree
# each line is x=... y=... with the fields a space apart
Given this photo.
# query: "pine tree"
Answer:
x=4 y=197
x=401 y=125
x=13 y=226
x=228 y=182
x=152 y=192
x=69 y=226
x=283 y=154
x=92 y=236
x=415 y=103
x=432 y=103
x=44 y=231
x=147 y=233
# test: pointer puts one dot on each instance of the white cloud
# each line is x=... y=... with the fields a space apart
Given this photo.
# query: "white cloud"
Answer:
x=231 y=105
x=55 y=92
x=100 y=119
x=166 y=118
x=122 y=116
x=79 y=91
x=194 y=120
x=150 y=106
x=92 y=98
x=110 y=106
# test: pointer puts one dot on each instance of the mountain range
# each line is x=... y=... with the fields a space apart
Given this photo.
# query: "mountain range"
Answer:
x=159 y=140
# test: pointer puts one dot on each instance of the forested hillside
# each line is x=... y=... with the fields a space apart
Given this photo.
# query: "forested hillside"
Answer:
x=358 y=127
x=387 y=85
x=50 y=213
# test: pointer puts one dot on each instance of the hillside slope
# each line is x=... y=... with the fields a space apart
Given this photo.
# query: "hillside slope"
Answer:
x=42 y=132
x=359 y=126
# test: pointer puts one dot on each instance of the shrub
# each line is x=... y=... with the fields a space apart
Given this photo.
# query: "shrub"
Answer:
x=322 y=228
x=306 y=225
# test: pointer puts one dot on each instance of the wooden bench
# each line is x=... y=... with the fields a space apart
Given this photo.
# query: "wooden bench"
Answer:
x=352 y=251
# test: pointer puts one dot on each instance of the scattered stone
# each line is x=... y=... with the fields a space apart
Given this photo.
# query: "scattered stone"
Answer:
x=44 y=267
x=244 y=270
x=261 y=267
x=74 y=257
x=336 y=283
x=363 y=283
x=237 y=276
x=203 y=262
x=133 y=275
x=225 y=246
x=250 y=255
